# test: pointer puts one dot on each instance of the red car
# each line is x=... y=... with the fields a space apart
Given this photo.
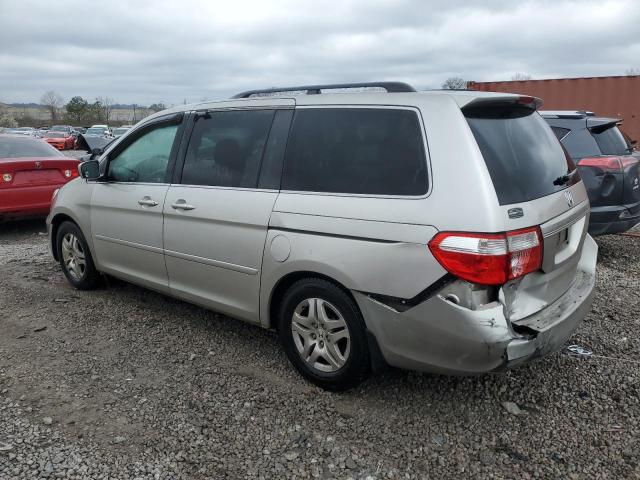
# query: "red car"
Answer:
x=60 y=140
x=30 y=171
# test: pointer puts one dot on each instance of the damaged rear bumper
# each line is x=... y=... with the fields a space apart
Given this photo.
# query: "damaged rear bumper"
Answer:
x=442 y=337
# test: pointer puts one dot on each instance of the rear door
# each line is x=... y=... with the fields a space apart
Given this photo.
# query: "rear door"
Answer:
x=536 y=185
x=217 y=214
x=126 y=208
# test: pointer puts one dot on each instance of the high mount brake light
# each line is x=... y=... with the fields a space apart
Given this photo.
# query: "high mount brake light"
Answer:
x=609 y=163
x=489 y=258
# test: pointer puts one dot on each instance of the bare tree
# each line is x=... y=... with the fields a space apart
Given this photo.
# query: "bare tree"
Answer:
x=632 y=71
x=106 y=106
x=520 y=76
x=52 y=101
x=6 y=119
x=454 y=83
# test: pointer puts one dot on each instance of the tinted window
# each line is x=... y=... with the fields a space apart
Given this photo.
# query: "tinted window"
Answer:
x=579 y=143
x=522 y=154
x=11 y=147
x=271 y=169
x=146 y=159
x=226 y=148
x=358 y=150
x=611 y=141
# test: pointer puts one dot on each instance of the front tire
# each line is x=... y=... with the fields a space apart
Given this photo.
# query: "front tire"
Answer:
x=75 y=257
x=323 y=334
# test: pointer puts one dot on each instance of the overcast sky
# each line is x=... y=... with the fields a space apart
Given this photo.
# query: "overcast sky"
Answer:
x=167 y=51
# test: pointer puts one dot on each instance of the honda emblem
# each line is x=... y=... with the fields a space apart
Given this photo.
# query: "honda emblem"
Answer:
x=38 y=164
x=568 y=197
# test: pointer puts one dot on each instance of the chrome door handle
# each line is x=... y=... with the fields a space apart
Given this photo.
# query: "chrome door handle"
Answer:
x=182 y=205
x=147 y=202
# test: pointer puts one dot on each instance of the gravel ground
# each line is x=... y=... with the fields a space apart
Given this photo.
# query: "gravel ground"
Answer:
x=125 y=383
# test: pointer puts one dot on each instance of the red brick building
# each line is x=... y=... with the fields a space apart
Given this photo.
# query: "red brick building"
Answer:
x=617 y=97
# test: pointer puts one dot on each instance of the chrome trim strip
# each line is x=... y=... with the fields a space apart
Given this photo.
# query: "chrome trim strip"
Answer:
x=213 y=263
x=565 y=219
x=139 y=246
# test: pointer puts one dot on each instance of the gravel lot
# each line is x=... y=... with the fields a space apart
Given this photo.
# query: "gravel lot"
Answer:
x=125 y=383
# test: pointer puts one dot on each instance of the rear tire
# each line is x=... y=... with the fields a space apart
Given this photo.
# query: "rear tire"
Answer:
x=323 y=334
x=75 y=257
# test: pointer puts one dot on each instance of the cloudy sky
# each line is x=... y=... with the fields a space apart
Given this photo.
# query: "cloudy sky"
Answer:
x=167 y=51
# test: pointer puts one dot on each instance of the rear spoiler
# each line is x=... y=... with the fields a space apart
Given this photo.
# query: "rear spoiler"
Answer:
x=522 y=101
x=599 y=125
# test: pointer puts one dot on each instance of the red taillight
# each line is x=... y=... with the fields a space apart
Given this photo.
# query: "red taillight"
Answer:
x=608 y=164
x=489 y=258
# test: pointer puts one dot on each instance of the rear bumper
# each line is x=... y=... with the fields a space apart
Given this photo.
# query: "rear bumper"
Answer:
x=613 y=219
x=26 y=201
x=441 y=337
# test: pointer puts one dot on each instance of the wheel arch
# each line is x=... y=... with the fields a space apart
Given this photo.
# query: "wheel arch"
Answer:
x=284 y=283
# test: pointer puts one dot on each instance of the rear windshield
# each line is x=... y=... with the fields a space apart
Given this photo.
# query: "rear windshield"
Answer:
x=611 y=141
x=522 y=154
x=11 y=147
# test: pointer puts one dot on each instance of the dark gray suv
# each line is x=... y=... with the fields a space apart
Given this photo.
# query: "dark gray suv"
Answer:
x=607 y=164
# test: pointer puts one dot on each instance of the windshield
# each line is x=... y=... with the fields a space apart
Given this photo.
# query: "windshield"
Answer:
x=522 y=154
x=95 y=131
x=59 y=128
x=54 y=135
x=611 y=141
x=12 y=147
x=24 y=129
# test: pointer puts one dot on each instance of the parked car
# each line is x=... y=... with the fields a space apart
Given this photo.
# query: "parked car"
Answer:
x=30 y=131
x=119 y=131
x=62 y=128
x=105 y=128
x=608 y=165
x=30 y=172
x=424 y=230
x=60 y=140
x=80 y=130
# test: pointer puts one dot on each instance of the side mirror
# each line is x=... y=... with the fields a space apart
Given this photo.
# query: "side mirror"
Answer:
x=89 y=170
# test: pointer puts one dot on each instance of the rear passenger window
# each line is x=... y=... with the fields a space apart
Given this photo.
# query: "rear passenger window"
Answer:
x=357 y=150
x=560 y=132
x=579 y=143
x=226 y=148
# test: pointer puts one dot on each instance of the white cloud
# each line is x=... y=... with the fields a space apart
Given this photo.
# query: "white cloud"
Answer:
x=149 y=51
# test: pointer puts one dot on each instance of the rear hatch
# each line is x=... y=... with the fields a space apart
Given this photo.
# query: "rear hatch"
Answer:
x=612 y=177
x=537 y=185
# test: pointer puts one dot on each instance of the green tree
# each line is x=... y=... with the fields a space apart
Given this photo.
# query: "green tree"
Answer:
x=78 y=110
x=97 y=112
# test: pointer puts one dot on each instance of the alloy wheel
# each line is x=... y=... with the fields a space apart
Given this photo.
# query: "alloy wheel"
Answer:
x=73 y=256
x=321 y=335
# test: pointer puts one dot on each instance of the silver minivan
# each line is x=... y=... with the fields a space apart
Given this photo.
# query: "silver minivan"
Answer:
x=437 y=231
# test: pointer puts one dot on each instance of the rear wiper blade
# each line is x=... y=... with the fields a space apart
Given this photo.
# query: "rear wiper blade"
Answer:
x=564 y=179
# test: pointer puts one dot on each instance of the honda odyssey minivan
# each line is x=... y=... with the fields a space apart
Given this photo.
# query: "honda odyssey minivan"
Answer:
x=437 y=231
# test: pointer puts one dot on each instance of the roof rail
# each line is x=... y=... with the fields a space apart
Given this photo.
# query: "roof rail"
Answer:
x=390 y=87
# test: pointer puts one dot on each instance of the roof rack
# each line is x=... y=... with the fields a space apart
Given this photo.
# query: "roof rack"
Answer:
x=390 y=87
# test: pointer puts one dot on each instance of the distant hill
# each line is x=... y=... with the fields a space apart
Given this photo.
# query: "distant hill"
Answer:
x=119 y=106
